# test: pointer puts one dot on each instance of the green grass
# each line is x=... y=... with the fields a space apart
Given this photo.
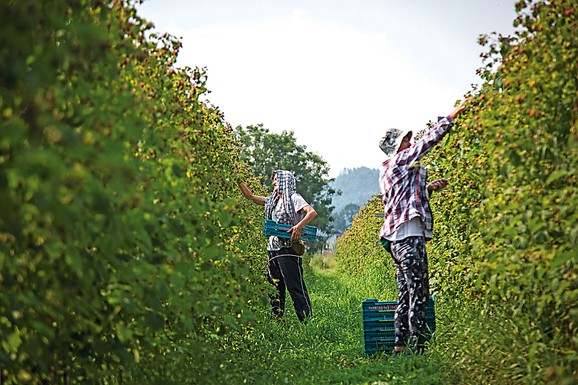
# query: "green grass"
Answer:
x=329 y=349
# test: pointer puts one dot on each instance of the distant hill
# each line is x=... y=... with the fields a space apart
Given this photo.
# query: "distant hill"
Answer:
x=357 y=185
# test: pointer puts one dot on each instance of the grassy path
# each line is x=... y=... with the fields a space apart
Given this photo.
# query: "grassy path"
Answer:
x=328 y=350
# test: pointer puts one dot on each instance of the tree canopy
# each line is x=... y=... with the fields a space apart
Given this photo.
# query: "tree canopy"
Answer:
x=266 y=152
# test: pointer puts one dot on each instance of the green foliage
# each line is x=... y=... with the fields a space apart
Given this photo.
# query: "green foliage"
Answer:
x=266 y=152
x=126 y=255
x=345 y=216
x=503 y=259
x=527 y=221
x=119 y=237
x=360 y=255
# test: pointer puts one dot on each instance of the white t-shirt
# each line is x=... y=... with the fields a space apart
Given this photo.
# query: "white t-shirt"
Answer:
x=275 y=243
x=413 y=228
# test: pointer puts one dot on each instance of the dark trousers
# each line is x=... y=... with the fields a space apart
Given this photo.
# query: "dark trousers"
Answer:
x=410 y=259
x=285 y=271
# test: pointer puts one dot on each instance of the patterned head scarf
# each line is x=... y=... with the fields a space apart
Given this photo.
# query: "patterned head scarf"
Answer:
x=286 y=188
x=391 y=141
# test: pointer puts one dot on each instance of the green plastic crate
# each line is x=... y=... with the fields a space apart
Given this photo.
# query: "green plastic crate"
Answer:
x=309 y=233
x=379 y=327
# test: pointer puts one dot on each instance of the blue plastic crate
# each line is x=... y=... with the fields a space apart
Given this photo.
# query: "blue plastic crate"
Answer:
x=372 y=307
x=378 y=334
x=390 y=316
x=380 y=339
x=372 y=310
x=271 y=227
x=379 y=324
x=379 y=345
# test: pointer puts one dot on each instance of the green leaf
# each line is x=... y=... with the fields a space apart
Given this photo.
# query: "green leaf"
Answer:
x=12 y=343
x=562 y=258
x=123 y=333
x=155 y=321
x=556 y=175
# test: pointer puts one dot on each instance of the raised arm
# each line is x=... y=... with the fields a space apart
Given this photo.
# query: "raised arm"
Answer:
x=430 y=138
x=458 y=110
x=249 y=195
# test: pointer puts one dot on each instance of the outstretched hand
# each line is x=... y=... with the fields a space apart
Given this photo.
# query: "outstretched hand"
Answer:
x=459 y=109
x=437 y=185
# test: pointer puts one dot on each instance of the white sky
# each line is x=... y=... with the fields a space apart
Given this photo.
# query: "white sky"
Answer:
x=336 y=72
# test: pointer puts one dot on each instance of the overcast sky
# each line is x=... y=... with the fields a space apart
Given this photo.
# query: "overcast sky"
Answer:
x=338 y=73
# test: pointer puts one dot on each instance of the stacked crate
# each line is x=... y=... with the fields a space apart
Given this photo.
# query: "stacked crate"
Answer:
x=379 y=328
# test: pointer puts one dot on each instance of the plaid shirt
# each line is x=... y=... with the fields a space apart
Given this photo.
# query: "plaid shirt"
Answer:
x=403 y=182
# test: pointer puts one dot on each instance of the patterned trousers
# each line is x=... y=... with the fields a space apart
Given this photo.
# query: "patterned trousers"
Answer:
x=410 y=259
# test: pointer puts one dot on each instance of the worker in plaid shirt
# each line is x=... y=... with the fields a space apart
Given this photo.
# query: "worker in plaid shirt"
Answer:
x=408 y=224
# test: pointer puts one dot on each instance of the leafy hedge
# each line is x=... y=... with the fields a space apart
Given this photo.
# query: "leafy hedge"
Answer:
x=503 y=261
x=360 y=254
x=122 y=244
